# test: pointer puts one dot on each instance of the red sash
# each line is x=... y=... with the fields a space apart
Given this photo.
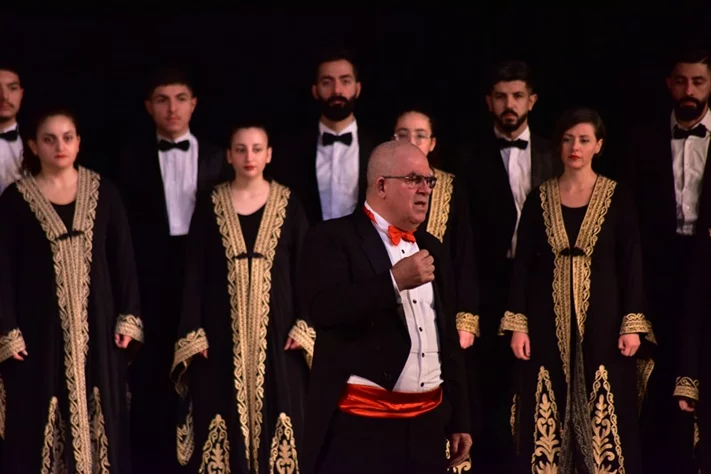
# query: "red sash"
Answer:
x=374 y=402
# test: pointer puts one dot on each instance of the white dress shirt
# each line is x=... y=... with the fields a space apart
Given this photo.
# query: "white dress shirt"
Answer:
x=10 y=159
x=179 y=170
x=689 y=161
x=518 y=166
x=422 y=371
x=337 y=169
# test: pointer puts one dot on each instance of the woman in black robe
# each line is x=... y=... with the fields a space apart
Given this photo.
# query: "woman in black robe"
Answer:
x=68 y=311
x=576 y=317
x=240 y=380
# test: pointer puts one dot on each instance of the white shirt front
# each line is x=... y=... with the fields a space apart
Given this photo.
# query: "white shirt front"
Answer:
x=337 y=170
x=179 y=170
x=518 y=166
x=422 y=371
x=10 y=159
x=689 y=161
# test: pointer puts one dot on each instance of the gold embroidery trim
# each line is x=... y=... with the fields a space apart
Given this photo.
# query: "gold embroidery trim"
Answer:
x=186 y=347
x=3 y=408
x=440 y=201
x=604 y=425
x=512 y=419
x=464 y=466
x=216 y=450
x=54 y=441
x=186 y=438
x=250 y=304
x=645 y=367
x=637 y=323
x=100 y=443
x=546 y=442
x=558 y=240
x=10 y=344
x=687 y=387
x=305 y=335
x=468 y=322
x=72 y=263
x=514 y=322
x=130 y=326
x=283 y=458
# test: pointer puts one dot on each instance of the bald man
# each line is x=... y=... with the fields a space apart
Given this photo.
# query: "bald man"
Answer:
x=388 y=385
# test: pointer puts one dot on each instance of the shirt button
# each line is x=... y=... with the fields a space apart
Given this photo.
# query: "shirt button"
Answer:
x=414 y=301
x=420 y=329
x=403 y=251
x=423 y=354
x=422 y=384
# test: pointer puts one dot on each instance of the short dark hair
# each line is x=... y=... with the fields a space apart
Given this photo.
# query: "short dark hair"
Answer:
x=511 y=70
x=10 y=66
x=236 y=127
x=31 y=164
x=331 y=55
x=690 y=56
x=575 y=116
x=168 y=76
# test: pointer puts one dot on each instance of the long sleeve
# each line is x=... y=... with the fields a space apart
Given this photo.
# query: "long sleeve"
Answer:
x=302 y=331
x=331 y=298
x=464 y=263
x=11 y=340
x=695 y=319
x=515 y=318
x=124 y=277
x=192 y=338
x=629 y=269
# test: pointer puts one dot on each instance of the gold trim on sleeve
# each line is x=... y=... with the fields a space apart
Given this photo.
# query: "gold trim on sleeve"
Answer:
x=249 y=283
x=440 y=201
x=514 y=322
x=193 y=343
x=305 y=335
x=637 y=323
x=283 y=458
x=130 y=326
x=72 y=253
x=468 y=322
x=11 y=343
x=3 y=408
x=687 y=387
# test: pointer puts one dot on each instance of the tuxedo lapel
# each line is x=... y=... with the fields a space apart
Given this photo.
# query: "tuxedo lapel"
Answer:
x=704 y=213
x=153 y=181
x=665 y=163
x=540 y=164
x=501 y=186
x=426 y=241
x=204 y=156
x=365 y=146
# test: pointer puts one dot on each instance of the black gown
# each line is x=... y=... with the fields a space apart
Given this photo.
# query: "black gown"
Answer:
x=577 y=285
x=64 y=294
x=243 y=405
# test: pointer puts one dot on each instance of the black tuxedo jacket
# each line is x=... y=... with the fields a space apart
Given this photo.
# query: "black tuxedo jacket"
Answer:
x=138 y=176
x=493 y=211
x=361 y=328
x=294 y=165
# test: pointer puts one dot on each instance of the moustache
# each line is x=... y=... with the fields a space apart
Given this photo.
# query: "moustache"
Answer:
x=508 y=112
x=695 y=101
x=336 y=100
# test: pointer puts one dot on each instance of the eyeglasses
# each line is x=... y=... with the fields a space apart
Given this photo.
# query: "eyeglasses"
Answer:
x=416 y=180
x=405 y=135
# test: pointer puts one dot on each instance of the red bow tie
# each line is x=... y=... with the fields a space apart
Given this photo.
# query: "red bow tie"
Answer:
x=395 y=234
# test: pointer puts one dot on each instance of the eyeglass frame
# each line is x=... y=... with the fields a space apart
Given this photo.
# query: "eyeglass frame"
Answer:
x=418 y=139
x=430 y=180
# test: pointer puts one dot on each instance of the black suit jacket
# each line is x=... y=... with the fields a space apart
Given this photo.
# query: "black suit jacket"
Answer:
x=294 y=165
x=361 y=328
x=493 y=213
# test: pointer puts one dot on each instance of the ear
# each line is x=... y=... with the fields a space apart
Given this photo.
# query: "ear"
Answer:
x=269 y=155
x=669 y=83
x=489 y=102
x=78 y=142
x=228 y=154
x=380 y=187
x=314 y=91
x=598 y=146
x=33 y=146
x=358 y=88
x=532 y=99
x=193 y=104
x=149 y=107
x=433 y=144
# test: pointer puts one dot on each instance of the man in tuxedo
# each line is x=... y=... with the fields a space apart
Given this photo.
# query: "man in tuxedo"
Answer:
x=667 y=169
x=159 y=177
x=388 y=379
x=326 y=165
x=501 y=167
x=11 y=93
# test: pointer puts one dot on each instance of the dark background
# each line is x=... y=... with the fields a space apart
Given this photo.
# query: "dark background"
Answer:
x=258 y=63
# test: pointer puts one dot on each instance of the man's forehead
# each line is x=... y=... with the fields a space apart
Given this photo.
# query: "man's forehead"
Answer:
x=8 y=77
x=692 y=70
x=510 y=86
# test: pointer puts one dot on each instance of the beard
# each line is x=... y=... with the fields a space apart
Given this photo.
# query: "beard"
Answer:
x=687 y=113
x=506 y=124
x=337 y=108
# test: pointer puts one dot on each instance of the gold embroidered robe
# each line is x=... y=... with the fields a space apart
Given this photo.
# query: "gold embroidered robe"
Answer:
x=65 y=292
x=243 y=405
x=577 y=398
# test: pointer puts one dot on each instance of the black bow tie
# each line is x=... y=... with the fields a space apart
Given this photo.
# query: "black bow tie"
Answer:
x=519 y=143
x=165 y=145
x=697 y=131
x=330 y=138
x=10 y=136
